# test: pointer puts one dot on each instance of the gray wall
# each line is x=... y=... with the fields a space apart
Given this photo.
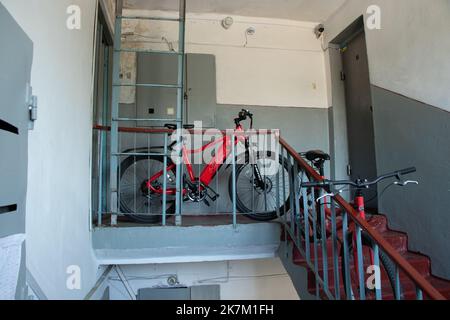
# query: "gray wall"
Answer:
x=410 y=133
x=303 y=128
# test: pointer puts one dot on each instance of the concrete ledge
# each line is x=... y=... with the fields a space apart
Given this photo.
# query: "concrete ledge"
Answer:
x=184 y=255
x=140 y=245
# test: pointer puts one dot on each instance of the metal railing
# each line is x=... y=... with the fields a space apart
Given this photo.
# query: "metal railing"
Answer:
x=217 y=194
x=326 y=232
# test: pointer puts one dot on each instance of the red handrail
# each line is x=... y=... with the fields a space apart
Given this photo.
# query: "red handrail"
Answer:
x=134 y=130
x=165 y=130
x=401 y=262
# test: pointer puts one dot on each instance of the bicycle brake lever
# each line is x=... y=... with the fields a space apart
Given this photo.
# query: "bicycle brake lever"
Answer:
x=329 y=195
x=405 y=183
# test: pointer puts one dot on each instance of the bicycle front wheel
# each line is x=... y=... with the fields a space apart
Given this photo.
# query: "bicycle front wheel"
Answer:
x=262 y=202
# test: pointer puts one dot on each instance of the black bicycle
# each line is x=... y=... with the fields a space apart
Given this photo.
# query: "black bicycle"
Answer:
x=349 y=250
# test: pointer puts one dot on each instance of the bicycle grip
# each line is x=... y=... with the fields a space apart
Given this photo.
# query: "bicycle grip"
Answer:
x=408 y=171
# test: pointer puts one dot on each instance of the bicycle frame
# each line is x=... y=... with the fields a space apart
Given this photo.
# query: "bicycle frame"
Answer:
x=211 y=169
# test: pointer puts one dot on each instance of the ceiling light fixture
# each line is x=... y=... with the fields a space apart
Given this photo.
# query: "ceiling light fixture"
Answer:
x=250 y=31
x=227 y=23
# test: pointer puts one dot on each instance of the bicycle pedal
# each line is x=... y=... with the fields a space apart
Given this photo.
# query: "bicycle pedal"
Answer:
x=214 y=198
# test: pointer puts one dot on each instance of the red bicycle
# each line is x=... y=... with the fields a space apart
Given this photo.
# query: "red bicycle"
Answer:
x=142 y=179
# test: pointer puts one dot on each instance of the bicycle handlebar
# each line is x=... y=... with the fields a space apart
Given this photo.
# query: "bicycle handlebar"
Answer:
x=359 y=184
x=243 y=115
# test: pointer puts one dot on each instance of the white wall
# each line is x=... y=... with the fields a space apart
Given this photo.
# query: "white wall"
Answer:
x=238 y=280
x=281 y=65
x=58 y=201
x=409 y=55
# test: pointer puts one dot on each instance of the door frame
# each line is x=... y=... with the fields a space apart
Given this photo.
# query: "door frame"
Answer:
x=338 y=127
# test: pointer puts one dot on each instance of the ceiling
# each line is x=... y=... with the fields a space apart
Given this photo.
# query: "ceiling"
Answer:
x=303 y=10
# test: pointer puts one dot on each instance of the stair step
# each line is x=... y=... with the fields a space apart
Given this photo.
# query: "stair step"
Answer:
x=420 y=262
x=397 y=240
x=408 y=288
x=379 y=223
x=300 y=260
x=443 y=286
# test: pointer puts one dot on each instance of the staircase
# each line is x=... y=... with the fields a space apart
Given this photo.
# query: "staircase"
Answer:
x=399 y=241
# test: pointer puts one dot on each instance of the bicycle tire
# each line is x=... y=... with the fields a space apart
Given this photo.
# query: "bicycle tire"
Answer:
x=143 y=219
x=385 y=261
x=248 y=212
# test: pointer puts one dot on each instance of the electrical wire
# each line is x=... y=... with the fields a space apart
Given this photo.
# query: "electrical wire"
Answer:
x=322 y=44
x=135 y=278
x=228 y=278
x=246 y=39
x=382 y=192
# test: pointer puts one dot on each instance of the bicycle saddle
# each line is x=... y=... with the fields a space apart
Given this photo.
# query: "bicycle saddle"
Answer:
x=316 y=155
x=172 y=126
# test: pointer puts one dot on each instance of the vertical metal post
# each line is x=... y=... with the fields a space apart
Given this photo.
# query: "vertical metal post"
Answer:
x=316 y=249
x=264 y=171
x=306 y=221
x=180 y=107
x=376 y=261
x=100 y=178
x=347 y=279
x=398 y=291
x=419 y=294
x=324 y=241
x=103 y=135
x=99 y=35
x=335 y=252
x=286 y=234
x=164 y=197
x=277 y=200
x=283 y=164
x=233 y=155
x=291 y=193
x=360 y=267
x=114 y=145
x=297 y=219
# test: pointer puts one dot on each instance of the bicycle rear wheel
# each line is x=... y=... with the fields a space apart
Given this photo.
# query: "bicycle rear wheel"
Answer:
x=136 y=200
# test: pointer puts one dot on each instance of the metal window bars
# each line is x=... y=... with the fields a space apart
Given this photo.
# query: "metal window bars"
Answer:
x=115 y=152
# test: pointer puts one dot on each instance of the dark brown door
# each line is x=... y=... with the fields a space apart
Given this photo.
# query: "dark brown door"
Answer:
x=360 y=114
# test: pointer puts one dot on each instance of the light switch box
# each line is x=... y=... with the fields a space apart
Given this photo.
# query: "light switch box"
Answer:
x=170 y=111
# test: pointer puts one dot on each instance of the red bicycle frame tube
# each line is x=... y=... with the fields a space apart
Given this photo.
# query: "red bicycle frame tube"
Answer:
x=210 y=171
x=360 y=208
